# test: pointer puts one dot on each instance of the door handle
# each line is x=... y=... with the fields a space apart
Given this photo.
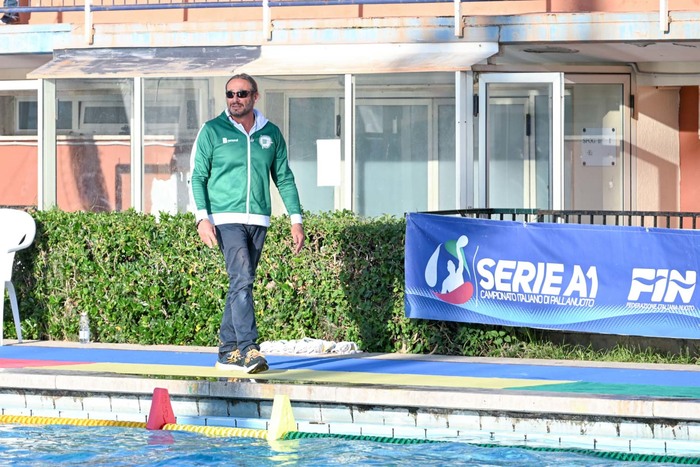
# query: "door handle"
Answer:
x=528 y=125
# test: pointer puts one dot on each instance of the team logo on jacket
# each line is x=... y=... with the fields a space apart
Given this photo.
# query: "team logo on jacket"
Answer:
x=265 y=141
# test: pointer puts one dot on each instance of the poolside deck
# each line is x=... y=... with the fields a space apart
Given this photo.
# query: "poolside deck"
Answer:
x=631 y=407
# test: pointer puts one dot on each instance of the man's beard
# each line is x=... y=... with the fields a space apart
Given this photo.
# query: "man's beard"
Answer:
x=242 y=112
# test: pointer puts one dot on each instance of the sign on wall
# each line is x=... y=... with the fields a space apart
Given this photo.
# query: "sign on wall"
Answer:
x=570 y=277
x=599 y=146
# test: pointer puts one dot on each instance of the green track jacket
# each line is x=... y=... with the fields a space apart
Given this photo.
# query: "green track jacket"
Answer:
x=231 y=172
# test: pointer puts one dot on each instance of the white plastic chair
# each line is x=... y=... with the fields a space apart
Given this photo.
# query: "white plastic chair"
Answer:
x=17 y=230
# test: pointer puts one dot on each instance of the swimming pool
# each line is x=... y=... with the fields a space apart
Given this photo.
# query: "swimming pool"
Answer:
x=64 y=445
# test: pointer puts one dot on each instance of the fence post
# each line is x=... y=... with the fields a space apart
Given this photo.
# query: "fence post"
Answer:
x=88 y=23
x=267 y=26
x=663 y=16
x=458 y=18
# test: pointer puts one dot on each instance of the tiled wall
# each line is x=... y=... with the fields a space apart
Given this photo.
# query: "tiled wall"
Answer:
x=640 y=437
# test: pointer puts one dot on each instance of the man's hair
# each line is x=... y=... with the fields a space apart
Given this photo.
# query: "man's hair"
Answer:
x=253 y=84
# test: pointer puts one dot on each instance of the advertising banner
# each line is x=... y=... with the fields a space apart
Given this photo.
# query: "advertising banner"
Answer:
x=570 y=277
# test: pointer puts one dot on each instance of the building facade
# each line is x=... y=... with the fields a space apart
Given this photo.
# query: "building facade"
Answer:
x=387 y=107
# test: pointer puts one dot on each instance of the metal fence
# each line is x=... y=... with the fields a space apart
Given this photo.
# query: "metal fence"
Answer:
x=117 y=5
x=88 y=7
x=661 y=219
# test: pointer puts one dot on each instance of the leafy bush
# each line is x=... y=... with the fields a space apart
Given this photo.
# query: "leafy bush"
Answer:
x=149 y=281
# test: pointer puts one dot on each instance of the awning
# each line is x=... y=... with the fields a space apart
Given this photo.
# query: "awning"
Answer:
x=368 y=58
x=146 y=62
x=267 y=60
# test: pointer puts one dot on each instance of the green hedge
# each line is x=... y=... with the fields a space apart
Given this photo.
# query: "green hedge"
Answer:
x=149 y=281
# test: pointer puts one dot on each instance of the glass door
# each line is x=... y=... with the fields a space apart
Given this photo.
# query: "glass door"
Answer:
x=312 y=119
x=391 y=156
x=520 y=140
x=597 y=164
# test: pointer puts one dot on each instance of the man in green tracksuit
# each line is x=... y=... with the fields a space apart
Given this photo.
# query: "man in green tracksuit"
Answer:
x=233 y=159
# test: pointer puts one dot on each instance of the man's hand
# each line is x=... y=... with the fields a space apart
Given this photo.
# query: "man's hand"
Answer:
x=297 y=237
x=207 y=233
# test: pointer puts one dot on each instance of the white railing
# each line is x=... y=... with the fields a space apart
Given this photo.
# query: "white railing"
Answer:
x=111 y=5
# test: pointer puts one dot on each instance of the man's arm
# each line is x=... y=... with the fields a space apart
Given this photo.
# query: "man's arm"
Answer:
x=207 y=232
x=298 y=237
x=200 y=161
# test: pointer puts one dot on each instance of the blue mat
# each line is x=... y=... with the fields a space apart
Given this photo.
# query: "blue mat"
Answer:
x=361 y=363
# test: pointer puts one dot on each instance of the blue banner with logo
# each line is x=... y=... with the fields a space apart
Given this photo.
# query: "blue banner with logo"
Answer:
x=585 y=278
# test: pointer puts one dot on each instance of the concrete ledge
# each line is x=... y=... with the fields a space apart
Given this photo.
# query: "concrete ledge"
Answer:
x=477 y=400
x=346 y=409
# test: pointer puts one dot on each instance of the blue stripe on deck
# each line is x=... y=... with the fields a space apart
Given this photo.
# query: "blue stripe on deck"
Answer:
x=360 y=363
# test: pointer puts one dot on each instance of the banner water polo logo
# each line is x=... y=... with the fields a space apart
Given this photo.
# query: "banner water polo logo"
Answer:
x=447 y=272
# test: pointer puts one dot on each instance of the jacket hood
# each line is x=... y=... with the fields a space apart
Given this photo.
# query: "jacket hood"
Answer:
x=260 y=120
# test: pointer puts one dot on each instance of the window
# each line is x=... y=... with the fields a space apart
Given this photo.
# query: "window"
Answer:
x=98 y=113
x=167 y=111
x=162 y=114
x=27 y=116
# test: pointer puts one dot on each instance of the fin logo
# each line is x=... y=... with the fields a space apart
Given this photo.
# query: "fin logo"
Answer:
x=446 y=270
x=662 y=285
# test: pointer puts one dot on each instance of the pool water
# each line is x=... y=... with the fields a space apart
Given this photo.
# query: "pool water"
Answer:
x=65 y=445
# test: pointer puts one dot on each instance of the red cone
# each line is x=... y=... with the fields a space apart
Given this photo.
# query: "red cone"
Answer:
x=161 y=411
